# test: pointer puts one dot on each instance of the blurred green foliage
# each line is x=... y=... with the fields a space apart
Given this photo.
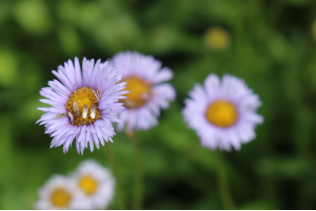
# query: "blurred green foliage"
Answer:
x=272 y=49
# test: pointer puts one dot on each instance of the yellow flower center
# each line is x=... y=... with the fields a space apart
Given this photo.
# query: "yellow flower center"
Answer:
x=60 y=197
x=83 y=105
x=88 y=184
x=139 y=92
x=221 y=113
x=217 y=38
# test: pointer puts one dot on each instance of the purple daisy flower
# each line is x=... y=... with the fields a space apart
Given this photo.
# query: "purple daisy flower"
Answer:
x=223 y=113
x=144 y=76
x=83 y=104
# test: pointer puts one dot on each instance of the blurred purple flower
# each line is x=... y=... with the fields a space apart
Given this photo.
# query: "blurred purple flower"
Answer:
x=223 y=113
x=144 y=76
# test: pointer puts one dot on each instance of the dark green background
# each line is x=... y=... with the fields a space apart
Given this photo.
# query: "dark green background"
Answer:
x=272 y=49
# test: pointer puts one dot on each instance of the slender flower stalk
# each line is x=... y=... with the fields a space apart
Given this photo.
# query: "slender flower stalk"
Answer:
x=114 y=167
x=138 y=175
x=223 y=185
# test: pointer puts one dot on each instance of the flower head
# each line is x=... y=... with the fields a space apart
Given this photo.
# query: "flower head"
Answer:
x=144 y=76
x=60 y=192
x=96 y=183
x=84 y=103
x=223 y=113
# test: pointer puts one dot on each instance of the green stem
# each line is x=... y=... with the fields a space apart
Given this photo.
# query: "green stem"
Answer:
x=138 y=175
x=227 y=200
x=114 y=167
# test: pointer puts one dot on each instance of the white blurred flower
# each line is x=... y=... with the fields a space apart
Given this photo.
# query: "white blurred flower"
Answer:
x=96 y=183
x=60 y=192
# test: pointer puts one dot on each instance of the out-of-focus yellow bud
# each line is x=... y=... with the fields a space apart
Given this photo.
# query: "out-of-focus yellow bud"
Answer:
x=313 y=28
x=217 y=38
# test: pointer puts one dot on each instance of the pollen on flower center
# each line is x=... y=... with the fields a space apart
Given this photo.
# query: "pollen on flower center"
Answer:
x=221 y=113
x=88 y=184
x=60 y=197
x=139 y=92
x=83 y=106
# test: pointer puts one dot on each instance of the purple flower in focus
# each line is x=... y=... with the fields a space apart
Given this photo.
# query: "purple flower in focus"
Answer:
x=84 y=103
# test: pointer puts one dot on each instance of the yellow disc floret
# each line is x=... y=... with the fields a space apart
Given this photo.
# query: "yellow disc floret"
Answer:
x=139 y=92
x=88 y=184
x=60 y=197
x=83 y=105
x=217 y=38
x=221 y=113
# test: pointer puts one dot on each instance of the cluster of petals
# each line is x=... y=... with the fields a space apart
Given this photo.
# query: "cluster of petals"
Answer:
x=97 y=76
